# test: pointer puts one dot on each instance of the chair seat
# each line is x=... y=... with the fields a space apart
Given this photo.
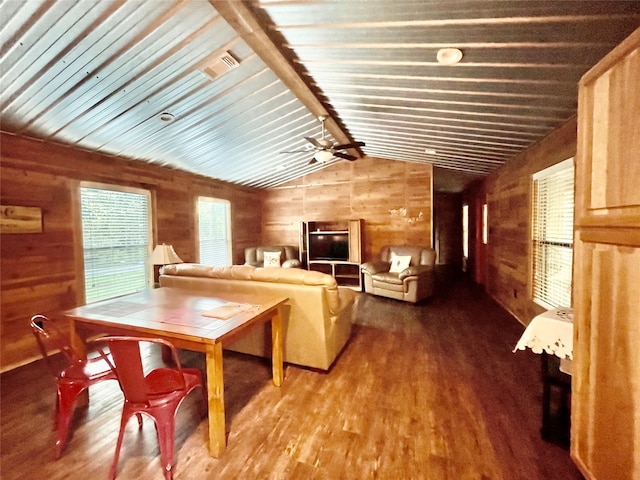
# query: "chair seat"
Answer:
x=165 y=380
x=94 y=369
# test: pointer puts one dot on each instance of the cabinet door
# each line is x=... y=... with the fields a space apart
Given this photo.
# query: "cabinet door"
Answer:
x=605 y=422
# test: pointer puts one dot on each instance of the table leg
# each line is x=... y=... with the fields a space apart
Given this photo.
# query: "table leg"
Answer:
x=215 y=396
x=79 y=346
x=276 y=349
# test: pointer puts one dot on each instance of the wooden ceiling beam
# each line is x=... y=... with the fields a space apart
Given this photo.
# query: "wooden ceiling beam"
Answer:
x=244 y=21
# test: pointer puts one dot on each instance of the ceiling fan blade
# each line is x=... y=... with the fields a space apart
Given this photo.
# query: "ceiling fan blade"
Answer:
x=346 y=146
x=313 y=161
x=346 y=156
x=314 y=142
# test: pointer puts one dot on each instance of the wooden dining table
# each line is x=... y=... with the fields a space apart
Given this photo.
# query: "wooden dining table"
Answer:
x=182 y=318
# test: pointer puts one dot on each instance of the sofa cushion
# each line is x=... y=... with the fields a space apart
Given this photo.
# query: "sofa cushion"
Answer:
x=237 y=272
x=272 y=259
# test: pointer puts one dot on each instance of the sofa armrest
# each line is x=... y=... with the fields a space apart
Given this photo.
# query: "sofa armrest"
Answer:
x=374 y=267
x=415 y=271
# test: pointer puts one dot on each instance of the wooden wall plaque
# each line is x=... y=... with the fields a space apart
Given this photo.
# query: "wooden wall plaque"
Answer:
x=14 y=219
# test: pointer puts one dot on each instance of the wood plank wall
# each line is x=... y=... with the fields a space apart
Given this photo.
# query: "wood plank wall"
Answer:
x=367 y=188
x=39 y=271
x=508 y=195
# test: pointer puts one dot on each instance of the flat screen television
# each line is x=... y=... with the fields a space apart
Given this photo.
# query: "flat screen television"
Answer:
x=330 y=246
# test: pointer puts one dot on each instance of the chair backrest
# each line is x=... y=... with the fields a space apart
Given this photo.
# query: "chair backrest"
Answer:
x=51 y=339
x=419 y=255
x=135 y=382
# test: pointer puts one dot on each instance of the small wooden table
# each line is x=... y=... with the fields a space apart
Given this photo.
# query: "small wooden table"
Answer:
x=551 y=334
x=176 y=316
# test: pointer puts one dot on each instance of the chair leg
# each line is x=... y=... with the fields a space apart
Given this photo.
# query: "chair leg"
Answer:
x=166 y=433
x=123 y=423
x=67 y=394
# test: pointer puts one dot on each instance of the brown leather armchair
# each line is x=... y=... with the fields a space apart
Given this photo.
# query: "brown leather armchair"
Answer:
x=254 y=256
x=410 y=283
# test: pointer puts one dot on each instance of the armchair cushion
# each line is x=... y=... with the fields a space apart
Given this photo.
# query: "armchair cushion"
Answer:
x=399 y=262
x=414 y=271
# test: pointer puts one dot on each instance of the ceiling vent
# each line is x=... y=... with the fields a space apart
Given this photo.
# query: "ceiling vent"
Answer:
x=220 y=66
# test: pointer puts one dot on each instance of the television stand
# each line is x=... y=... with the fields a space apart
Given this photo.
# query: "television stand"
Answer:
x=347 y=274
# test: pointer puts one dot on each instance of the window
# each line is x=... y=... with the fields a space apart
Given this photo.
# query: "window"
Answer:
x=552 y=234
x=465 y=236
x=214 y=231
x=116 y=237
x=485 y=223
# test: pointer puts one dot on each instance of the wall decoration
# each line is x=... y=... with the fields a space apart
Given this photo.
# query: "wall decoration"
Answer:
x=14 y=219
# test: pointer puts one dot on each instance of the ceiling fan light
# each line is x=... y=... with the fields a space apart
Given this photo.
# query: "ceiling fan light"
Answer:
x=323 y=156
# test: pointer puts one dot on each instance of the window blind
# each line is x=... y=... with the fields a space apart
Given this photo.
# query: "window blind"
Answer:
x=214 y=231
x=552 y=232
x=116 y=239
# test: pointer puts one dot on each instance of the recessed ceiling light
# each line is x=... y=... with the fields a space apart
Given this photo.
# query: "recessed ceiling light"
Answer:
x=430 y=151
x=167 y=117
x=449 y=56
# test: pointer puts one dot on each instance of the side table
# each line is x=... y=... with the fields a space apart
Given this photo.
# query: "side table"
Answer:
x=551 y=335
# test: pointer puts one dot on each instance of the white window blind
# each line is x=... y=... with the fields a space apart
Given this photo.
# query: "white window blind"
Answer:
x=116 y=241
x=553 y=235
x=485 y=223
x=465 y=231
x=214 y=231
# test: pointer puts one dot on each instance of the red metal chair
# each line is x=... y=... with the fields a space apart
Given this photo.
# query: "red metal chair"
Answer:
x=157 y=393
x=72 y=372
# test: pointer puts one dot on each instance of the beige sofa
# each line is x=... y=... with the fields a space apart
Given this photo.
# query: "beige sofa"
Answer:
x=411 y=284
x=316 y=320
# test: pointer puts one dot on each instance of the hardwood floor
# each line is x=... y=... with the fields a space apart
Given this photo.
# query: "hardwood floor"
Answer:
x=429 y=392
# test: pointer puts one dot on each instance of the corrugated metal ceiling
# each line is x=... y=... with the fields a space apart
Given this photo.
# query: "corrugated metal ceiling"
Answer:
x=98 y=74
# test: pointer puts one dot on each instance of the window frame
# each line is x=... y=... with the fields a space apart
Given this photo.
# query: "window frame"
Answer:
x=150 y=238
x=547 y=301
x=229 y=229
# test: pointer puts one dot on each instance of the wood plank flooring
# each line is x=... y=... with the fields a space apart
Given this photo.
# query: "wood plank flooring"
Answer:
x=426 y=392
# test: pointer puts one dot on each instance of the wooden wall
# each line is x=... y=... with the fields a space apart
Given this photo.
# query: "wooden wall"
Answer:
x=367 y=188
x=41 y=272
x=508 y=195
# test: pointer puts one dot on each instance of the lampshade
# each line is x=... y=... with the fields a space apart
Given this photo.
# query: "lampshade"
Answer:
x=323 y=156
x=164 y=255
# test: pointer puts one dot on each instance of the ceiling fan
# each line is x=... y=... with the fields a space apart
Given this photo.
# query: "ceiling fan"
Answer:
x=325 y=149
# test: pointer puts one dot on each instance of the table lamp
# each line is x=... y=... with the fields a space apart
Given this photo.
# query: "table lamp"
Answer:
x=163 y=255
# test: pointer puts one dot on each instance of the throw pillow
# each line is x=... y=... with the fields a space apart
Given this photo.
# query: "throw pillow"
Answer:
x=271 y=259
x=399 y=262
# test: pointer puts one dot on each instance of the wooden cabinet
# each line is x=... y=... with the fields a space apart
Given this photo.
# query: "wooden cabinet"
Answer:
x=605 y=421
x=333 y=247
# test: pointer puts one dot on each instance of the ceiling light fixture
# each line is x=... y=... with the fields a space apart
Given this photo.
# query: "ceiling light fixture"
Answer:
x=430 y=151
x=323 y=156
x=167 y=117
x=449 y=56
